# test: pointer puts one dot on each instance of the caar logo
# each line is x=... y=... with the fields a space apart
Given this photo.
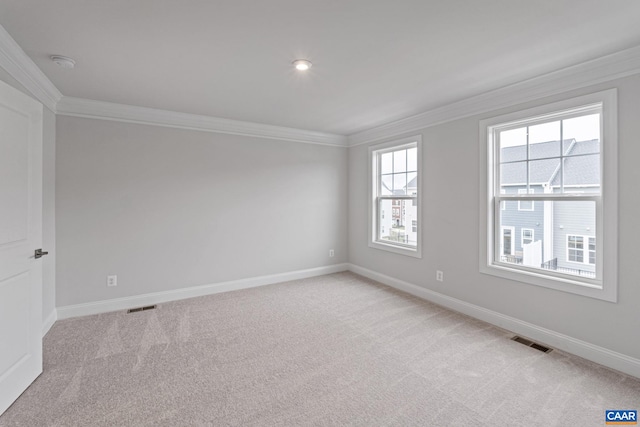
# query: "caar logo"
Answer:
x=618 y=417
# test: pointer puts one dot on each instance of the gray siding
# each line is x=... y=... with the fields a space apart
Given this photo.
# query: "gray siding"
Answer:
x=519 y=219
x=573 y=218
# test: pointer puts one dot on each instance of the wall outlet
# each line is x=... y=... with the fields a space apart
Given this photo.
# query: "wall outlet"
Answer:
x=331 y=253
x=112 y=280
x=439 y=276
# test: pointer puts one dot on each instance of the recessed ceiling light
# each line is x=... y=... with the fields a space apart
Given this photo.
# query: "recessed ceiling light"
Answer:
x=302 y=64
x=63 y=61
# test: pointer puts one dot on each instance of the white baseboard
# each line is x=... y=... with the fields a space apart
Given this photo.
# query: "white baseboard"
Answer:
x=49 y=321
x=116 y=304
x=601 y=355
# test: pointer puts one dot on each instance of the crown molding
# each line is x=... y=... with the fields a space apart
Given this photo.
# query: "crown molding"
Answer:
x=87 y=108
x=606 y=68
x=18 y=64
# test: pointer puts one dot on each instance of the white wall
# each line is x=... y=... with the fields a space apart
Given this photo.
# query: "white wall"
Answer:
x=167 y=208
x=450 y=230
x=48 y=206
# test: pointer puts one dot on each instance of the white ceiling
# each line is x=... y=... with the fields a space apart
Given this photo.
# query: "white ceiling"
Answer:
x=374 y=61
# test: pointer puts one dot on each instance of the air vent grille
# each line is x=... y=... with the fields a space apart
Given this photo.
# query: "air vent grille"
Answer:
x=145 y=308
x=531 y=344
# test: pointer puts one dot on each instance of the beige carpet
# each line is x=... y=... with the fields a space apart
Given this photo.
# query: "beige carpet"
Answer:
x=331 y=350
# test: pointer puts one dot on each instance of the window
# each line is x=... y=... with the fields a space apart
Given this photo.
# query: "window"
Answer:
x=394 y=186
x=558 y=162
x=581 y=249
x=507 y=241
x=575 y=248
x=525 y=205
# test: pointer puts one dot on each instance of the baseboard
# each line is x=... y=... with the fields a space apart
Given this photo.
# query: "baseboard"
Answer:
x=49 y=321
x=601 y=355
x=116 y=304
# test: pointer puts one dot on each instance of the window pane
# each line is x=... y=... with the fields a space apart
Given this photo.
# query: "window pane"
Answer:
x=543 y=150
x=400 y=161
x=513 y=173
x=581 y=135
x=562 y=237
x=545 y=132
x=401 y=225
x=412 y=184
x=386 y=185
x=399 y=183
x=412 y=159
x=542 y=172
x=582 y=174
x=513 y=145
x=386 y=163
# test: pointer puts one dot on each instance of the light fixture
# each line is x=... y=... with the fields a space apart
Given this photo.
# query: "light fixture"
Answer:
x=63 y=61
x=302 y=64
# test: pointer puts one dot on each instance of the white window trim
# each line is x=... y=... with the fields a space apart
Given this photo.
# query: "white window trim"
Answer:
x=522 y=230
x=373 y=177
x=604 y=288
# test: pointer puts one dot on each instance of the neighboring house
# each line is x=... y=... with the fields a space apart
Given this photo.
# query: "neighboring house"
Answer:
x=399 y=218
x=529 y=234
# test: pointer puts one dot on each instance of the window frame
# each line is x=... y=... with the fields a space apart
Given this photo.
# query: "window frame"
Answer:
x=374 y=198
x=604 y=286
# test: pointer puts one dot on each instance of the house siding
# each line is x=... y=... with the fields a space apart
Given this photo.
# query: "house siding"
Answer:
x=573 y=218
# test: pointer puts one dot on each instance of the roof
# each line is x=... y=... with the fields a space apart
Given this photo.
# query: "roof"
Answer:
x=581 y=167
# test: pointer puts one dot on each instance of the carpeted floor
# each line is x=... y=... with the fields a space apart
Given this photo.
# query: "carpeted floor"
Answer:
x=330 y=350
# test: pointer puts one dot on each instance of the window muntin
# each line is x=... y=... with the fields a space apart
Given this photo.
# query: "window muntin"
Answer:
x=394 y=213
x=571 y=204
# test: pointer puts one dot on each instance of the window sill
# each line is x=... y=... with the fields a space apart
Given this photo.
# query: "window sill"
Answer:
x=587 y=288
x=415 y=253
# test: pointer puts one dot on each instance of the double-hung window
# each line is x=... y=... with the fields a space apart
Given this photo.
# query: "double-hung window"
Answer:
x=394 y=210
x=558 y=162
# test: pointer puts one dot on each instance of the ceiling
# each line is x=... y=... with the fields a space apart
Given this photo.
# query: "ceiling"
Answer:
x=374 y=61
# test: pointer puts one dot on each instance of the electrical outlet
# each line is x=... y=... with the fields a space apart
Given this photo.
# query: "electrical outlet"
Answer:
x=439 y=276
x=331 y=253
x=112 y=280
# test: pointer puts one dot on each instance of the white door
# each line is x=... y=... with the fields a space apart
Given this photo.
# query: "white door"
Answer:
x=20 y=235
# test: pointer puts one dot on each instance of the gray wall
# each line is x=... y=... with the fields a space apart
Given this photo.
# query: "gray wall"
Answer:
x=48 y=203
x=167 y=208
x=450 y=220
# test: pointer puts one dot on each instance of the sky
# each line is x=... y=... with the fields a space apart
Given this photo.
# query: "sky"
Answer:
x=581 y=128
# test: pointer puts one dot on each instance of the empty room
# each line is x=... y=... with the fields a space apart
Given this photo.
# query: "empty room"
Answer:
x=367 y=213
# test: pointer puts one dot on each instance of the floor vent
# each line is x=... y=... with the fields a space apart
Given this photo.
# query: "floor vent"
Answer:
x=137 y=309
x=531 y=344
